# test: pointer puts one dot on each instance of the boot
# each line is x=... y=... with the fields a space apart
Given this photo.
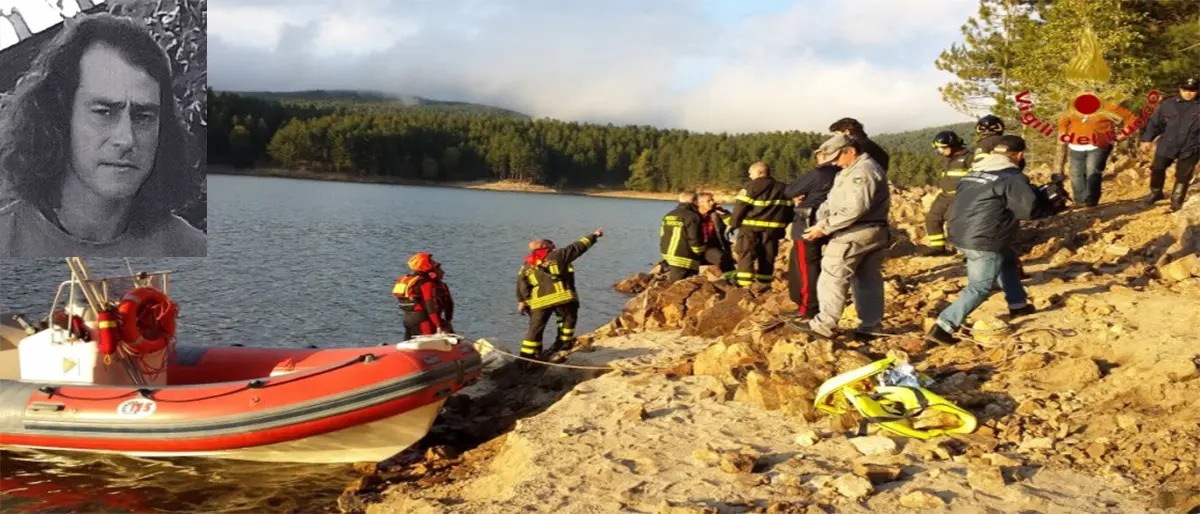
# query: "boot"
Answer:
x=1178 y=195
x=933 y=251
x=1022 y=311
x=1155 y=195
x=939 y=335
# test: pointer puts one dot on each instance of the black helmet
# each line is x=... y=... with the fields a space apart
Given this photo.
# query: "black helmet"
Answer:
x=947 y=138
x=990 y=124
x=1190 y=84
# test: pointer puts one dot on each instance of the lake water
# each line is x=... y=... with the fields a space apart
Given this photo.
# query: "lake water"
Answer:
x=293 y=263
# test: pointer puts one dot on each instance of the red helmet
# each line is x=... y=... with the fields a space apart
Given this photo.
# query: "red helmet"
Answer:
x=422 y=262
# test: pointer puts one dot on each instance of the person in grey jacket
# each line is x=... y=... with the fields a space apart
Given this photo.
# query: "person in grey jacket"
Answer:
x=855 y=218
x=988 y=205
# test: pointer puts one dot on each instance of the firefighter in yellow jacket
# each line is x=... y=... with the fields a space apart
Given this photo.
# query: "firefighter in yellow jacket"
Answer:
x=761 y=214
x=957 y=165
x=546 y=286
x=681 y=241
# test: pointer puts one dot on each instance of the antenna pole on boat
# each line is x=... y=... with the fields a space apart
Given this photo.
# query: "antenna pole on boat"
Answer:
x=79 y=273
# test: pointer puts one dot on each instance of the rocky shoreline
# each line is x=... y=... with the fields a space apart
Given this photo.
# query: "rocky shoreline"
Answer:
x=1090 y=405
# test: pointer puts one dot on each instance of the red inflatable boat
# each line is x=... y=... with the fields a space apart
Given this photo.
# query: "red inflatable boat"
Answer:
x=264 y=404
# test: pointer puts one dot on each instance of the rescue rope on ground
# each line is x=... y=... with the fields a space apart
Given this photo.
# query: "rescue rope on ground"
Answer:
x=485 y=344
x=1002 y=345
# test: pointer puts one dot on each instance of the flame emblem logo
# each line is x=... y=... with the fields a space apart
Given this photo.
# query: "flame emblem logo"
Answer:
x=1088 y=72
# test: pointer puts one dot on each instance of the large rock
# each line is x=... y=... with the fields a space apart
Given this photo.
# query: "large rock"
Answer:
x=634 y=284
x=1181 y=269
x=874 y=445
x=673 y=302
x=721 y=318
x=853 y=486
x=921 y=500
x=985 y=478
x=763 y=390
x=704 y=297
x=718 y=359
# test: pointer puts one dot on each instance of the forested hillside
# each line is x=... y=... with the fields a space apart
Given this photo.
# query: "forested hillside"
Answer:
x=375 y=101
x=1009 y=46
x=920 y=140
x=445 y=147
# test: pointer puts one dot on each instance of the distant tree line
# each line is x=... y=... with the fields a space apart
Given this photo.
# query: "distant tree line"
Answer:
x=383 y=140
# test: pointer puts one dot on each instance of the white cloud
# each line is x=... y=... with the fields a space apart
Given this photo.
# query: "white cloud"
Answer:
x=618 y=60
x=362 y=34
x=247 y=25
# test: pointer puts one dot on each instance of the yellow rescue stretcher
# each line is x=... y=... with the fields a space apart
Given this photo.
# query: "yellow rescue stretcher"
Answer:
x=892 y=407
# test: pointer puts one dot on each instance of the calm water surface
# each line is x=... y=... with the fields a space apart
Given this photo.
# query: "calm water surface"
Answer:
x=293 y=263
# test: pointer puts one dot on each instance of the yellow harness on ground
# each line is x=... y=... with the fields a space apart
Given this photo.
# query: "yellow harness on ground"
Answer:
x=892 y=407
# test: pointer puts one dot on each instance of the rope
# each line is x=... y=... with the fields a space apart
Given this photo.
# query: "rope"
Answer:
x=485 y=344
x=1001 y=345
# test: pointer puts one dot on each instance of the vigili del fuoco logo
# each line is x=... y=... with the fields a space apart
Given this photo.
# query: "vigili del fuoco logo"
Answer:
x=1094 y=111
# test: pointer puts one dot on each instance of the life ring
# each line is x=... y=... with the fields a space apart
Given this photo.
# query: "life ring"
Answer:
x=146 y=318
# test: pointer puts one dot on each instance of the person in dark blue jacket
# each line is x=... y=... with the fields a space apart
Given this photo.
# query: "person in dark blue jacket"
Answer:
x=988 y=205
x=1176 y=124
x=804 y=263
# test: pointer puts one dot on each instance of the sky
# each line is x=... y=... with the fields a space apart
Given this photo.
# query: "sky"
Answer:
x=38 y=14
x=705 y=65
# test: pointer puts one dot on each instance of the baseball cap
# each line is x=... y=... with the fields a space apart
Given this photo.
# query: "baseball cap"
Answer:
x=831 y=147
x=1009 y=144
x=1190 y=84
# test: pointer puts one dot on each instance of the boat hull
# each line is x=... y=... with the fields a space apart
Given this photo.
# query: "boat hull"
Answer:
x=345 y=405
x=370 y=442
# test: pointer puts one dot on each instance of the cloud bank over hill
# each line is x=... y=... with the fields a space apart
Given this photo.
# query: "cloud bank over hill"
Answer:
x=669 y=63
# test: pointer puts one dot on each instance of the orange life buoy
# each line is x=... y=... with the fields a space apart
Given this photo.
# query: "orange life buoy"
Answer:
x=147 y=319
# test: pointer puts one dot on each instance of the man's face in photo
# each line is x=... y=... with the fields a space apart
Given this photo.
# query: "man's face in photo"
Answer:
x=114 y=124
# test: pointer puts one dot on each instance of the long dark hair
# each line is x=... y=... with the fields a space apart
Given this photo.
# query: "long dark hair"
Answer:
x=35 y=144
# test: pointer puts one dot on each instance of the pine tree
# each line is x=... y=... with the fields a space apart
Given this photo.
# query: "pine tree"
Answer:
x=995 y=40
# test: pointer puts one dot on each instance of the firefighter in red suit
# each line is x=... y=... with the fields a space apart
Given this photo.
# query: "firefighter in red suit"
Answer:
x=424 y=298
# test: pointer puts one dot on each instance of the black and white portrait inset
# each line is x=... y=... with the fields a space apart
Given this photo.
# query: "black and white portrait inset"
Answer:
x=102 y=128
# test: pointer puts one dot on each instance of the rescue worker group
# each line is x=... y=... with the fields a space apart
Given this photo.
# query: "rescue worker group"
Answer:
x=838 y=212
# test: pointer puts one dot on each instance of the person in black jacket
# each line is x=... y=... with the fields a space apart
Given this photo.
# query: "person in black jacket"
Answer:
x=958 y=163
x=681 y=243
x=850 y=127
x=1177 y=121
x=804 y=264
x=987 y=206
x=988 y=131
x=713 y=221
x=761 y=214
x=545 y=287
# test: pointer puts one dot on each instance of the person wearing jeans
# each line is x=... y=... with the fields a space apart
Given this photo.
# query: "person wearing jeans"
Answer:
x=1087 y=169
x=988 y=206
x=984 y=268
x=1087 y=141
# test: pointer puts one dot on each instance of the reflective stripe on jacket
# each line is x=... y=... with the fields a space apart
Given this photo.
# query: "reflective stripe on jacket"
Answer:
x=957 y=166
x=761 y=206
x=680 y=237
x=552 y=281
